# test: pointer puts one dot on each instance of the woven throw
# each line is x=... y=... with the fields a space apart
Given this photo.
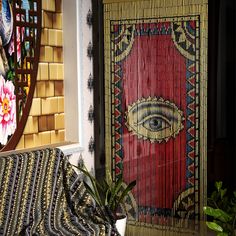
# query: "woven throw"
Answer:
x=40 y=194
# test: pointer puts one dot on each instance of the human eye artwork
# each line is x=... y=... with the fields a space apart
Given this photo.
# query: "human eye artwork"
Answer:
x=154 y=119
x=155 y=78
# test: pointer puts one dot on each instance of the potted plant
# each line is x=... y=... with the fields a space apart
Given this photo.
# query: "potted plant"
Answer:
x=222 y=210
x=109 y=196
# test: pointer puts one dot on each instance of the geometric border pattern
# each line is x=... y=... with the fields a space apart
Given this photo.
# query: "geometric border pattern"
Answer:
x=147 y=10
x=192 y=86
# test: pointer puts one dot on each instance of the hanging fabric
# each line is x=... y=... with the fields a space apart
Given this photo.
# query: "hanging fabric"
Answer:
x=155 y=101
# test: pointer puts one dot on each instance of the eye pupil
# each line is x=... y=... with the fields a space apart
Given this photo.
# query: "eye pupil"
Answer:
x=155 y=123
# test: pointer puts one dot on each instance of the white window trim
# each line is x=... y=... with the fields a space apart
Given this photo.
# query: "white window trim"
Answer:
x=77 y=66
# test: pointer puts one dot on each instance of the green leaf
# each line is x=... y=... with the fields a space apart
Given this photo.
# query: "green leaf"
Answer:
x=107 y=197
x=218 y=185
x=107 y=193
x=222 y=234
x=94 y=183
x=114 y=193
x=217 y=213
x=234 y=209
x=235 y=194
x=214 y=196
x=127 y=190
x=108 y=177
x=214 y=226
x=91 y=192
x=223 y=192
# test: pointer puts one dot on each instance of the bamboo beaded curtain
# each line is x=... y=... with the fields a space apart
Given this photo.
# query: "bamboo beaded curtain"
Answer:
x=155 y=101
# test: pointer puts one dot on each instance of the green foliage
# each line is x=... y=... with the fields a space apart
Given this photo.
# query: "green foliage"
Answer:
x=221 y=210
x=108 y=195
x=214 y=226
x=11 y=72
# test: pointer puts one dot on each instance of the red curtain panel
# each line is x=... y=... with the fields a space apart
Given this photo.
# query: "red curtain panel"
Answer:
x=154 y=71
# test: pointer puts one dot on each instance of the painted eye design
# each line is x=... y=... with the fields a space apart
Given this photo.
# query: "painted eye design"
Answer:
x=154 y=119
x=155 y=123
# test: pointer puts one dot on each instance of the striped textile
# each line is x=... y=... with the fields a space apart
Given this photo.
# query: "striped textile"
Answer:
x=40 y=194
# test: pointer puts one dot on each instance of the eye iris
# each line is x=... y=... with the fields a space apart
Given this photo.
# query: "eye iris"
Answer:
x=155 y=124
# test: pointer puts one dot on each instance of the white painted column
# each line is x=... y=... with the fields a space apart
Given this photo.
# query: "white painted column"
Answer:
x=77 y=68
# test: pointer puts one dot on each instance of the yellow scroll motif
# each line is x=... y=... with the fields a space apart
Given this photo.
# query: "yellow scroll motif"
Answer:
x=154 y=119
x=123 y=41
x=184 y=40
x=184 y=204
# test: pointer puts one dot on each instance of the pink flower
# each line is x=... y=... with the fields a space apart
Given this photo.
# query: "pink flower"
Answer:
x=19 y=39
x=7 y=110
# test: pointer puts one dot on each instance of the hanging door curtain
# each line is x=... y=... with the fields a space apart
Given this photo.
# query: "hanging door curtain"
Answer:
x=155 y=106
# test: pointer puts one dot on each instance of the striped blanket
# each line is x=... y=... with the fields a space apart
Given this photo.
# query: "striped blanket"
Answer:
x=40 y=194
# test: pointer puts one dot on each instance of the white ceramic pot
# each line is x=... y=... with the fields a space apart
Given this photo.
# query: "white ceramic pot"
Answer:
x=121 y=225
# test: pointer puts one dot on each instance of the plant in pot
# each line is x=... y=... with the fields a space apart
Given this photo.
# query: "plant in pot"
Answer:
x=109 y=195
x=221 y=210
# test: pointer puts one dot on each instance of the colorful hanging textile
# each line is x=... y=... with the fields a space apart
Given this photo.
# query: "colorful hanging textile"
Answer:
x=40 y=194
x=155 y=100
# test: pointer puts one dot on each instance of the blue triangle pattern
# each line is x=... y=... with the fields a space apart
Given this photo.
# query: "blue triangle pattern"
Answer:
x=189 y=99
x=188 y=185
x=189 y=63
x=189 y=136
x=189 y=112
x=189 y=149
x=188 y=124
x=189 y=74
x=189 y=86
x=189 y=161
